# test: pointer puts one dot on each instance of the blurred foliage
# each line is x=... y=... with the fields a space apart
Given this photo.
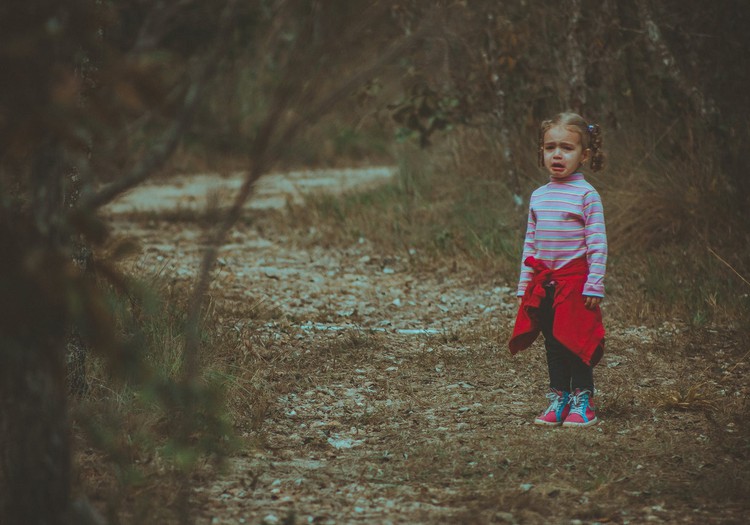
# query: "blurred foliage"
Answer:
x=90 y=90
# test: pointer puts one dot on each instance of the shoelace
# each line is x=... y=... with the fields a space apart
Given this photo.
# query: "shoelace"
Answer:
x=555 y=401
x=578 y=402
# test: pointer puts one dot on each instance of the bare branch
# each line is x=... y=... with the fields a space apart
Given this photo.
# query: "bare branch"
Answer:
x=728 y=266
x=263 y=153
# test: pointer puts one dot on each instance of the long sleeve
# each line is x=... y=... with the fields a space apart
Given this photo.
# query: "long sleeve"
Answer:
x=596 y=244
x=528 y=251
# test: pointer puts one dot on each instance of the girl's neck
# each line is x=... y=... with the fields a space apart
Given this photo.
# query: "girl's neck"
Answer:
x=577 y=174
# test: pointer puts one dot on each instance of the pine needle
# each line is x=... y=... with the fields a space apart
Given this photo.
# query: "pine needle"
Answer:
x=729 y=266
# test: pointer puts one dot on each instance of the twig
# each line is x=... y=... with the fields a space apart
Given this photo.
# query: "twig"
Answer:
x=737 y=364
x=263 y=153
x=729 y=266
x=634 y=172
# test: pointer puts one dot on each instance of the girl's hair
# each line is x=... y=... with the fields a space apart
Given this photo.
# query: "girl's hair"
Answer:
x=591 y=137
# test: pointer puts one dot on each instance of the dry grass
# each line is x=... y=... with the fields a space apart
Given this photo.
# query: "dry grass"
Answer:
x=666 y=196
x=679 y=250
x=451 y=428
x=678 y=234
x=431 y=215
x=131 y=456
x=444 y=420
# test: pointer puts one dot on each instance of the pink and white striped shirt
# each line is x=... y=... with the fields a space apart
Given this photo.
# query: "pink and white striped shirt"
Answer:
x=566 y=221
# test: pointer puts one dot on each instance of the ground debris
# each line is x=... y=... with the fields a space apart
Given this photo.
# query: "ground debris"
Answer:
x=392 y=398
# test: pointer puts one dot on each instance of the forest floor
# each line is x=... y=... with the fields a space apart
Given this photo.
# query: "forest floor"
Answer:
x=377 y=388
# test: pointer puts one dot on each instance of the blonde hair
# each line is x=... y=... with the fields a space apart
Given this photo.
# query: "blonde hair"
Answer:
x=591 y=137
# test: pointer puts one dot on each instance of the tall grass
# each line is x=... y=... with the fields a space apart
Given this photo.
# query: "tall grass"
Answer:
x=432 y=213
x=678 y=237
x=142 y=433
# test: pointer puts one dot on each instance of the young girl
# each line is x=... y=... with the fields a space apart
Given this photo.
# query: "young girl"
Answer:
x=562 y=275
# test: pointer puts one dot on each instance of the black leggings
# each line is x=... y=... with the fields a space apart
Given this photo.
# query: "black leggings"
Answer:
x=567 y=372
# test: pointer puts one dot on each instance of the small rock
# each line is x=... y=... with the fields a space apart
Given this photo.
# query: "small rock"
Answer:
x=505 y=517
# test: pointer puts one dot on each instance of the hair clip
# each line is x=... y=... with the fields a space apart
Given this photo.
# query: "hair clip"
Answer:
x=591 y=128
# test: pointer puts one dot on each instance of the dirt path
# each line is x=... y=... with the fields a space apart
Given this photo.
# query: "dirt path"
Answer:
x=390 y=398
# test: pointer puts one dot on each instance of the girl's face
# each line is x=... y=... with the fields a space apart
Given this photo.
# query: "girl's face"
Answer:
x=563 y=152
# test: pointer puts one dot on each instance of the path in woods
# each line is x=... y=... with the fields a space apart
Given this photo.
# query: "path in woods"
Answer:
x=389 y=396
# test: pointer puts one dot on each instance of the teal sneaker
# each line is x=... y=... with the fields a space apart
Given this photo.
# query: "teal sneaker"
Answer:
x=582 y=411
x=557 y=410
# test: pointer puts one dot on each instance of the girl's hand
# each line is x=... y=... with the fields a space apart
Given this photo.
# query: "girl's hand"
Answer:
x=519 y=300
x=591 y=302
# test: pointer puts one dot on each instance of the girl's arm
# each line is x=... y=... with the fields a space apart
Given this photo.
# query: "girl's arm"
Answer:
x=528 y=251
x=596 y=246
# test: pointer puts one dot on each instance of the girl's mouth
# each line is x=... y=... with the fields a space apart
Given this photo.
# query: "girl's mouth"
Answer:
x=558 y=166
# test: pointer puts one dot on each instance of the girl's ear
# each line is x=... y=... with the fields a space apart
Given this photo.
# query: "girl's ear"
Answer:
x=586 y=155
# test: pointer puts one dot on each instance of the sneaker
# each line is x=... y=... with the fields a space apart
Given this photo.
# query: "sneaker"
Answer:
x=582 y=411
x=556 y=411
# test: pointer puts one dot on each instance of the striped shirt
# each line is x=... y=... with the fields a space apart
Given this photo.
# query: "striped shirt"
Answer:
x=566 y=221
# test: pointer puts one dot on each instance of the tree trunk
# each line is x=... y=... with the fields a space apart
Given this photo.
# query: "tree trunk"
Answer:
x=703 y=106
x=576 y=96
x=34 y=298
x=34 y=440
x=500 y=114
x=34 y=427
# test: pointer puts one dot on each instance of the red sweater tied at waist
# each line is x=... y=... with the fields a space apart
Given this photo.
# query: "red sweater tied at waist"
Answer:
x=578 y=328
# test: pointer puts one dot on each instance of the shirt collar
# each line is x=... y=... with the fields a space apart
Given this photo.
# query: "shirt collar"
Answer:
x=573 y=176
